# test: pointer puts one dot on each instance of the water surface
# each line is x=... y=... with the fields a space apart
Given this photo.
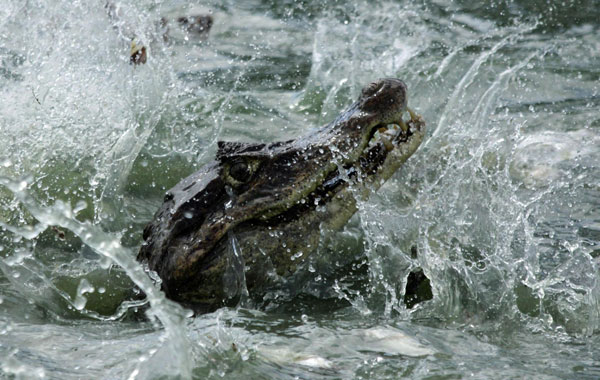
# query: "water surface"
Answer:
x=501 y=203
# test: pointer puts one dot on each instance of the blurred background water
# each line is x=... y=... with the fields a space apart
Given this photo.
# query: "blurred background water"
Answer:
x=501 y=202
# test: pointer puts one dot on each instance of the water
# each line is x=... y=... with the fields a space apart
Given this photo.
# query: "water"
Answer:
x=501 y=202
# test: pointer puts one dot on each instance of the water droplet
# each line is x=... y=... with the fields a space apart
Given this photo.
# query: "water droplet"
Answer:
x=22 y=186
x=80 y=302
x=188 y=215
x=79 y=206
x=83 y=288
x=245 y=355
x=105 y=262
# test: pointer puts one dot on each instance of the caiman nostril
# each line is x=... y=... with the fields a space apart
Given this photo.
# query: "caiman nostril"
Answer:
x=371 y=88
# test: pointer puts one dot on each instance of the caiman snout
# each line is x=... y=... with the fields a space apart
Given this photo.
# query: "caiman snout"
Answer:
x=384 y=97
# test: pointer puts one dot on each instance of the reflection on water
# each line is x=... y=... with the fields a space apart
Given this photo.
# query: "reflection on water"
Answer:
x=499 y=208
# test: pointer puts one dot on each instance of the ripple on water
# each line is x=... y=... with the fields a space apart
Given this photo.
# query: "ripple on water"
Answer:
x=499 y=207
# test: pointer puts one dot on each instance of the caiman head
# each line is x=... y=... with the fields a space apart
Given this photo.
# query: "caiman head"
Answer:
x=256 y=211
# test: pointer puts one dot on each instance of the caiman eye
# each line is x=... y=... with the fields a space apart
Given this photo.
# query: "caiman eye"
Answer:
x=240 y=171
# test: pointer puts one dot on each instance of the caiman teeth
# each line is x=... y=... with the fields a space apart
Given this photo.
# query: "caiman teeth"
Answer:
x=387 y=143
x=414 y=117
x=393 y=131
x=403 y=125
x=387 y=133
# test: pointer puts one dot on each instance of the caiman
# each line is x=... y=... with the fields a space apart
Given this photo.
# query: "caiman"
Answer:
x=258 y=209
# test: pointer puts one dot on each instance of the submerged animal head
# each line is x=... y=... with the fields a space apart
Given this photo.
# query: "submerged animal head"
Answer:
x=251 y=190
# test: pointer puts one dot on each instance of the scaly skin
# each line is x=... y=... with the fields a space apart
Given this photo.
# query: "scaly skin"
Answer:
x=272 y=199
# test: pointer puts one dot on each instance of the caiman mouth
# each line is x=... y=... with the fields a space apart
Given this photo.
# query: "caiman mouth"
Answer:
x=391 y=134
x=383 y=139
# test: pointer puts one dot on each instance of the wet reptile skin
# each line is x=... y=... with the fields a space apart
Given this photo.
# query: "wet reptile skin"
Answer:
x=270 y=201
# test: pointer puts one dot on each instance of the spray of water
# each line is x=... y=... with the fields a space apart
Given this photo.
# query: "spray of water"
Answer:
x=499 y=207
x=169 y=314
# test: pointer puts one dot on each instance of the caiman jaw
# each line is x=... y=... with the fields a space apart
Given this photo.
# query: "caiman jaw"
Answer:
x=388 y=146
x=397 y=131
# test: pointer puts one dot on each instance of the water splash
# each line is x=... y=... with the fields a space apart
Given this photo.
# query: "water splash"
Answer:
x=171 y=315
x=234 y=278
x=501 y=202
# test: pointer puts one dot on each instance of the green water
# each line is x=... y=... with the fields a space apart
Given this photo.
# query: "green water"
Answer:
x=501 y=201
